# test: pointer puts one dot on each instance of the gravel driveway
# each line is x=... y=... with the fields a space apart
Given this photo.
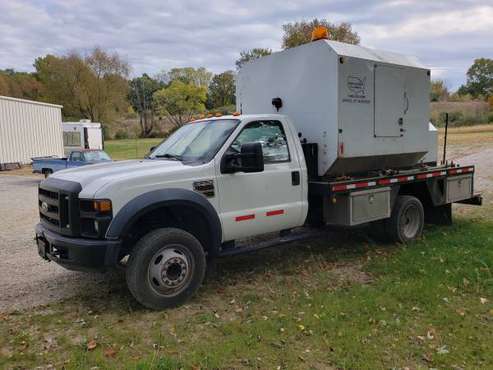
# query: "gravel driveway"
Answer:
x=27 y=280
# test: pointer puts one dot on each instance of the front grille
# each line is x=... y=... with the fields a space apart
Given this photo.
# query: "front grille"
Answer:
x=59 y=206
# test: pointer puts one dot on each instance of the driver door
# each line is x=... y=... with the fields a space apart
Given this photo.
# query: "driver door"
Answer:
x=262 y=202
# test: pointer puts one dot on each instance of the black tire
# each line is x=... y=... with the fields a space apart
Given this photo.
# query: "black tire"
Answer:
x=406 y=221
x=166 y=267
x=47 y=173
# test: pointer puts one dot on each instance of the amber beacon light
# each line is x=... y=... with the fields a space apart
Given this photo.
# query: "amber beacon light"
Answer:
x=320 y=33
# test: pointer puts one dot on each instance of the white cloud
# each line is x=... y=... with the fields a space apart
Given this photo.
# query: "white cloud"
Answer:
x=160 y=34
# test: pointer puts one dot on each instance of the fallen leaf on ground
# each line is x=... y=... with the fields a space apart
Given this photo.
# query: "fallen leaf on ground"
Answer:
x=483 y=300
x=442 y=350
x=461 y=312
x=91 y=345
x=109 y=352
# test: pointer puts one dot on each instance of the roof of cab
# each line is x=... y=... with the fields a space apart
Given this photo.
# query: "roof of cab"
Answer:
x=239 y=117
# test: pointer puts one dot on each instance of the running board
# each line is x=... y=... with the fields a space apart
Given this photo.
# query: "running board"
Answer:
x=281 y=240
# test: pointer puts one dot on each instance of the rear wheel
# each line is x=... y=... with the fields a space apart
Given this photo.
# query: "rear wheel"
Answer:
x=166 y=268
x=406 y=221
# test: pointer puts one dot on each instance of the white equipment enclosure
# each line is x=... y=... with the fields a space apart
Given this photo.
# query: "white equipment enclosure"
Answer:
x=82 y=135
x=365 y=109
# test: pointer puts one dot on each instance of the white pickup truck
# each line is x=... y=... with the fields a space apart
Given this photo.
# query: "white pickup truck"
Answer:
x=218 y=180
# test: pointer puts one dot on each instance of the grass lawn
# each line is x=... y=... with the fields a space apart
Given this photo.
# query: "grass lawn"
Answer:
x=130 y=148
x=344 y=302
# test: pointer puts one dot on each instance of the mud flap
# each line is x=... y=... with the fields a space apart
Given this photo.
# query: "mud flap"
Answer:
x=439 y=215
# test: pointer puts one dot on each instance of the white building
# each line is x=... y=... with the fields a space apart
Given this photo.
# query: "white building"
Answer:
x=29 y=129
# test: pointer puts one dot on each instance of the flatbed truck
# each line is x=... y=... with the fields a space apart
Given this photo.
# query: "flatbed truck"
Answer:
x=341 y=138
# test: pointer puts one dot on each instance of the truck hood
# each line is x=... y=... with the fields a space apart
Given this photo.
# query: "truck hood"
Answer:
x=103 y=173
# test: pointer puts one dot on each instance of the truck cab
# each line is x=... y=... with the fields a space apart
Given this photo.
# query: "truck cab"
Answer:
x=213 y=181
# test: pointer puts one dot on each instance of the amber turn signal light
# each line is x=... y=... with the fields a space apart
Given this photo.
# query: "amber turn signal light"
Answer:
x=102 y=205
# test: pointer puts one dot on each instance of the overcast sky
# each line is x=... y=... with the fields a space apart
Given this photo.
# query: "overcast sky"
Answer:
x=154 y=35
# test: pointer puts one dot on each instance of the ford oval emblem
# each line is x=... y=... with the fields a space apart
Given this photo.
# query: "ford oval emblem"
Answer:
x=44 y=206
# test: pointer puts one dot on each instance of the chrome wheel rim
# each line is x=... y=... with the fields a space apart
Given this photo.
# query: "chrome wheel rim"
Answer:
x=170 y=270
x=410 y=222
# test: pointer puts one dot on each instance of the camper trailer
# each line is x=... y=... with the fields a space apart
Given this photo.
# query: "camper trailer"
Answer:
x=82 y=135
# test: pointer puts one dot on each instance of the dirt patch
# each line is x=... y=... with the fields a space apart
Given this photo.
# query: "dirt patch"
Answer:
x=25 y=279
x=23 y=171
x=350 y=274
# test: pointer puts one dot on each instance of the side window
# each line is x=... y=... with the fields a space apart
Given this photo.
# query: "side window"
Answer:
x=76 y=156
x=272 y=137
x=71 y=138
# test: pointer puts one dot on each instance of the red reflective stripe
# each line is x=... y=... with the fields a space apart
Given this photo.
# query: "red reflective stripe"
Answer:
x=338 y=187
x=384 y=181
x=402 y=178
x=275 y=213
x=244 y=218
x=452 y=172
x=422 y=176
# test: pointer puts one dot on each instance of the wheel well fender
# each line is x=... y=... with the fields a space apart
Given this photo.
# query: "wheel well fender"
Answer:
x=175 y=198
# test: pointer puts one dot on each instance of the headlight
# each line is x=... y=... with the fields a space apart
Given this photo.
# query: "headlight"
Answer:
x=95 y=217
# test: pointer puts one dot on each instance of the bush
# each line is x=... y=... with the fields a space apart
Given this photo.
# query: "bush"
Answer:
x=121 y=135
x=490 y=118
x=460 y=113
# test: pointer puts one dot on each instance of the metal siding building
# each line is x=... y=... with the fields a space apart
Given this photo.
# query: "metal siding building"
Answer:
x=29 y=129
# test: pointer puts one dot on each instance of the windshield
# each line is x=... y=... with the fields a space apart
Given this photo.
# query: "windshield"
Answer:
x=199 y=141
x=96 y=156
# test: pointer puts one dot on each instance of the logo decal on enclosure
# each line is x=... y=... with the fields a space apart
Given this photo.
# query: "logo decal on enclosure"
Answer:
x=356 y=90
x=357 y=85
x=44 y=206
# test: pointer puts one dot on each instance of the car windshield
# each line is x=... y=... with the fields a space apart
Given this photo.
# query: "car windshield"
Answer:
x=96 y=156
x=196 y=142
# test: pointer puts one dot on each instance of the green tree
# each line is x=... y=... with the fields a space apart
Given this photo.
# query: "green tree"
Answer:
x=140 y=96
x=180 y=101
x=479 y=79
x=222 y=90
x=439 y=91
x=299 y=33
x=19 y=84
x=94 y=86
x=252 y=54
x=188 y=75
x=63 y=79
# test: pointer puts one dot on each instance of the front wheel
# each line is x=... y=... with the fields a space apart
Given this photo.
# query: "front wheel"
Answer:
x=166 y=267
x=406 y=221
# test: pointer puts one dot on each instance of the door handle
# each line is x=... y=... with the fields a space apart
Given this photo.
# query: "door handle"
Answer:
x=295 y=178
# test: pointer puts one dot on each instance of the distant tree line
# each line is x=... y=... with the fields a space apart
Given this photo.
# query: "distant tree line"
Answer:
x=97 y=86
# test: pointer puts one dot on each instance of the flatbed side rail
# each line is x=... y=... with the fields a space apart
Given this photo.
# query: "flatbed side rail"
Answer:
x=401 y=178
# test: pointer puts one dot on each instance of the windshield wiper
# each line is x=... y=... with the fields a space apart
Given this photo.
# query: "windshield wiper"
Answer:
x=175 y=157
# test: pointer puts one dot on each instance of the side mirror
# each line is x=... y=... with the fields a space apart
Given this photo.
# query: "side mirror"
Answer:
x=250 y=159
